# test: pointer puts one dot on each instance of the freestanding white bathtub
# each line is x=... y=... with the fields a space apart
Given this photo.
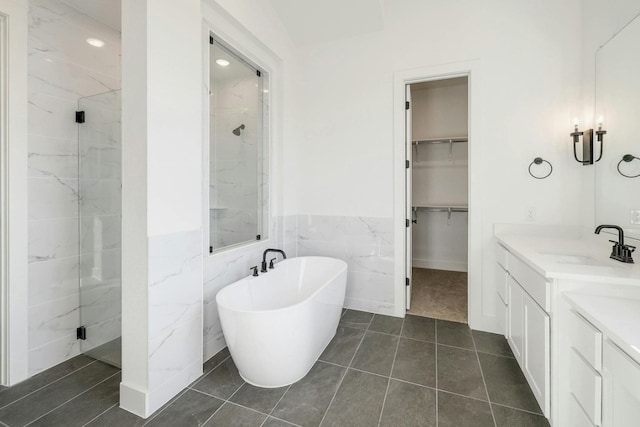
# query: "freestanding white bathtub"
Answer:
x=277 y=325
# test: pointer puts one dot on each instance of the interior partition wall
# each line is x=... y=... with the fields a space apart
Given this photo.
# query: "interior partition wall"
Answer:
x=100 y=153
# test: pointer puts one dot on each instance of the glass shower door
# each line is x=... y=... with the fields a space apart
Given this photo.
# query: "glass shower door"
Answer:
x=99 y=147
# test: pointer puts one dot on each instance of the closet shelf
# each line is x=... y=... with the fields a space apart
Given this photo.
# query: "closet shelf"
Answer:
x=441 y=140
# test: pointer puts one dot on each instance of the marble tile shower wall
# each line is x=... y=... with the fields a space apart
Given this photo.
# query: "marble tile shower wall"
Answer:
x=234 y=161
x=62 y=68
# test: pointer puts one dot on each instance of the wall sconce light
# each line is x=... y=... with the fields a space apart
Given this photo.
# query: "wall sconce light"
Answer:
x=587 y=143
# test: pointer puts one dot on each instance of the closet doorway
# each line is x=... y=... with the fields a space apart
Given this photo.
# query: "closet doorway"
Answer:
x=437 y=194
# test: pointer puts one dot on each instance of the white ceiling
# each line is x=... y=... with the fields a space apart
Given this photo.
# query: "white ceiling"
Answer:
x=105 y=11
x=314 y=21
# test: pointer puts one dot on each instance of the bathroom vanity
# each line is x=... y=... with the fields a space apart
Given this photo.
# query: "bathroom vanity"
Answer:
x=571 y=316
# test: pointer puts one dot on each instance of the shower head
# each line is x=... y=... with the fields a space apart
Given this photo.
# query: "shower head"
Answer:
x=237 y=130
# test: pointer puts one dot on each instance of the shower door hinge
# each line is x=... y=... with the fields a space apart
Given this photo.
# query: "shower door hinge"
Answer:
x=210 y=39
x=407 y=281
x=258 y=73
x=407 y=105
x=408 y=164
x=81 y=333
x=408 y=222
x=79 y=116
x=258 y=237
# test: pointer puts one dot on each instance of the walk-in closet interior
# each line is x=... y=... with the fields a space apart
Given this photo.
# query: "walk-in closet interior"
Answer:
x=439 y=198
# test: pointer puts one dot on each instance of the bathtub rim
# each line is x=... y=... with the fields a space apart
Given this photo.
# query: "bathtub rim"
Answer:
x=333 y=277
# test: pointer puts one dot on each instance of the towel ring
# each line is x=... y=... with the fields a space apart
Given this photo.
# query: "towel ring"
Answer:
x=627 y=158
x=539 y=161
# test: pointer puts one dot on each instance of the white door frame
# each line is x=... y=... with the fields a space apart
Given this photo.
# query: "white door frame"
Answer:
x=14 y=344
x=471 y=69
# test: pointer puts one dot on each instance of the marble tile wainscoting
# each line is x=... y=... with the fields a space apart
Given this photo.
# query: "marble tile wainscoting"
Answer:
x=62 y=68
x=365 y=243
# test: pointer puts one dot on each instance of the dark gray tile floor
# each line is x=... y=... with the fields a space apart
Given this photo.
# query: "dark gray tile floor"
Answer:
x=377 y=371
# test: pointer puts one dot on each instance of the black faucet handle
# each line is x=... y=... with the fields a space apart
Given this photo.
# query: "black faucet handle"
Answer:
x=255 y=270
x=614 y=242
x=271 y=263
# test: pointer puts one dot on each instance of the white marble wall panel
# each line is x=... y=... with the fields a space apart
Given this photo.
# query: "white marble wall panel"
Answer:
x=51 y=198
x=53 y=238
x=52 y=117
x=62 y=68
x=52 y=280
x=222 y=269
x=366 y=244
x=175 y=304
x=53 y=320
x=100 y=233
x=47 y=356
x=49 y=157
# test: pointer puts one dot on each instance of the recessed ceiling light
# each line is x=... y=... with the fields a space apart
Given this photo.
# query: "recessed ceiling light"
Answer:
x=95 y=42
x=222 y=62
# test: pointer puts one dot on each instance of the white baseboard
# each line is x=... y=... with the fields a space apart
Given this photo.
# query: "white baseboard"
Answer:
x=440 y=265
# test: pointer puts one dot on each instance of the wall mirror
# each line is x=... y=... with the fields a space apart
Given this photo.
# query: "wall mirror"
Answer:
x=617 y=106
x=238 y=91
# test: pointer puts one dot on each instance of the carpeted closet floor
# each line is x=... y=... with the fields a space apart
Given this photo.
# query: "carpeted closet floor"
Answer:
x=439 y=294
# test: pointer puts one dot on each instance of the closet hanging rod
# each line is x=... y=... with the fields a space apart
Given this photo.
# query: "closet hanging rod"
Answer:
x=440 y=209
x=440 y=141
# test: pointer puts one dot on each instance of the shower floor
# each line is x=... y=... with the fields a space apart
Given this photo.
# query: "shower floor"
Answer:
x=439 y=294
x=109 y=353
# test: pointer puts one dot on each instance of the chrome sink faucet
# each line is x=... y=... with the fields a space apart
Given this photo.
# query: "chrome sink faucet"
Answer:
x=620 y=251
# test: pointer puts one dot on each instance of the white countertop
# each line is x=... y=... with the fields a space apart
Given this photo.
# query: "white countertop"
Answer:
x=617 y=318
x=574 y=258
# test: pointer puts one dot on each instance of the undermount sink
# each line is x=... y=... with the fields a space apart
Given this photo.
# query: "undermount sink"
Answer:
x=572 y=259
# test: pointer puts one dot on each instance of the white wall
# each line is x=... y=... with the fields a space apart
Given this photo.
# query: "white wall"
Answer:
x=62 y=68
x=529 y=56
x=163 y=243
x=440 y=174
x=13 y=193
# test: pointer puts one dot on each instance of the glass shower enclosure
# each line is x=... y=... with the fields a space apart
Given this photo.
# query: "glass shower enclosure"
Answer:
x=100 y=188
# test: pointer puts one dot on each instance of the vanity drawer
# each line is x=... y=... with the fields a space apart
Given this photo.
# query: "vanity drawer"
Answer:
x=586 y=340
x=501 y=282
x=577 y=417
x=502 y=313
x=535 y=285
x=502 y=255
x=586 y=386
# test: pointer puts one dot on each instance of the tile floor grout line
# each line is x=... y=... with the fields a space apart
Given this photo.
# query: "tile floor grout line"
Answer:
x=48 y=384
x=345 y=372
x=279 y=400
x=3 y=424
x=386 y=392
x=100 y=414
x=74 y=397
x=486 y=389
x=210 y=370
x=164 y=408
x=517 y=409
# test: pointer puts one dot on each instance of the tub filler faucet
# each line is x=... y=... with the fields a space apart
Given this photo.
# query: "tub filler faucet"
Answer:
x=620 y=251
x=264 y=258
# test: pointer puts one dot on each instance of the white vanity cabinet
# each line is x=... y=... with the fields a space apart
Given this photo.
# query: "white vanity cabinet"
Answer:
x=527 y=329
x=621 y=388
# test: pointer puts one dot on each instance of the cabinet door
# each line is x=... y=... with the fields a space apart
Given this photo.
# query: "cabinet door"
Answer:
x=515 y=327
x=536 y=351
x=621 y=388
